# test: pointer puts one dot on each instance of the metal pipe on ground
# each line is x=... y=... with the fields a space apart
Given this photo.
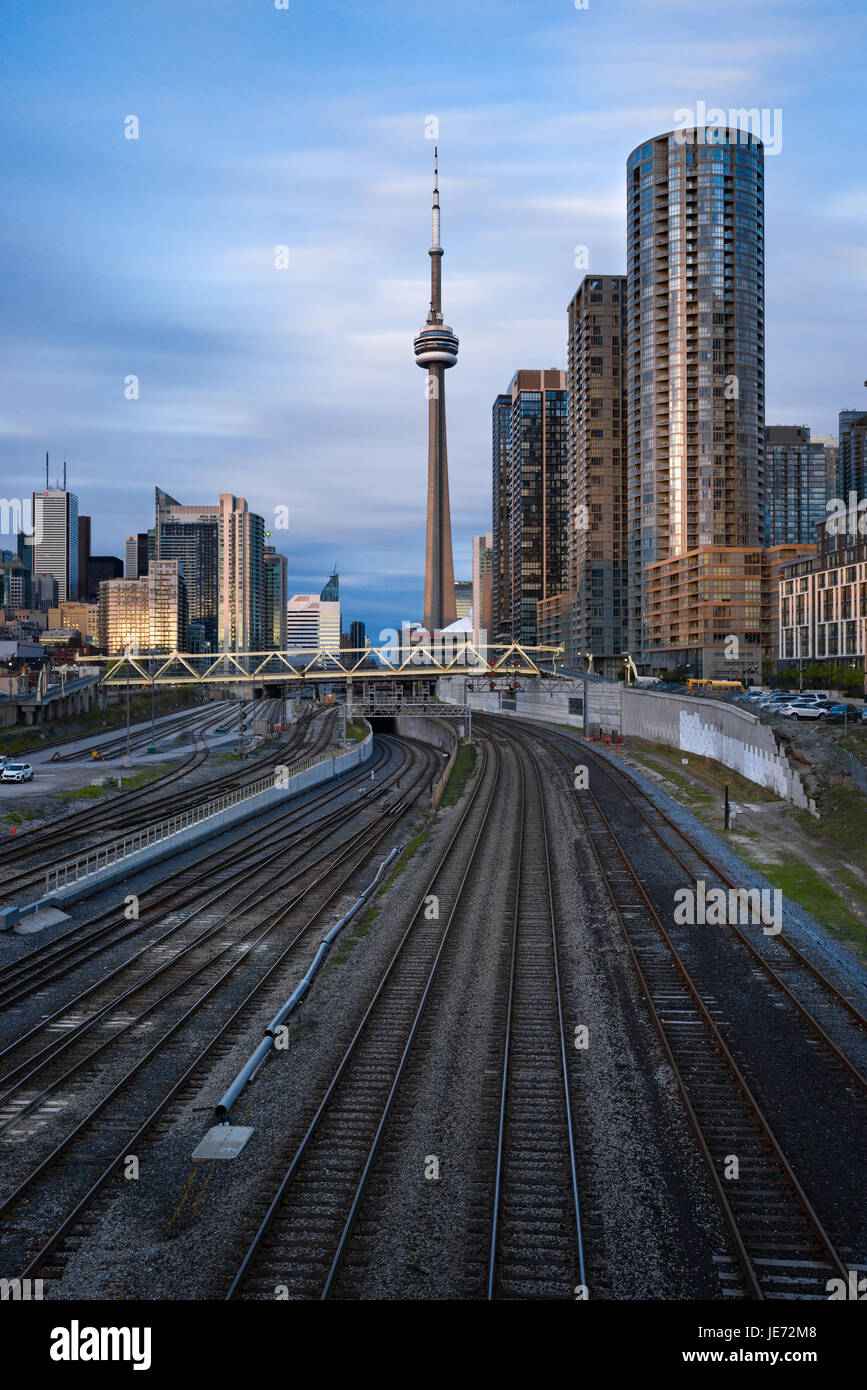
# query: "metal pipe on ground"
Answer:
x=251 y=1067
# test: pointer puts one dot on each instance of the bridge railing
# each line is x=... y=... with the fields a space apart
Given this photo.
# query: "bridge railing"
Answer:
x=62 y=875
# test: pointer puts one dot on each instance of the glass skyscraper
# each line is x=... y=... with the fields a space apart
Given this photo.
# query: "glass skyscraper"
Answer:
x=795 y=485
x=695 y=358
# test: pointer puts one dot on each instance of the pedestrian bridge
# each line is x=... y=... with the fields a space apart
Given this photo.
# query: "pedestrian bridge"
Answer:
x=424 y=661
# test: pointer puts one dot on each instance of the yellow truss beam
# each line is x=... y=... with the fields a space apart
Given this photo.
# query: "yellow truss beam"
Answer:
x=440 y=658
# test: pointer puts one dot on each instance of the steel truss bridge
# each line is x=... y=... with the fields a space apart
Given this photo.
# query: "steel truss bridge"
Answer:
x=299 y=666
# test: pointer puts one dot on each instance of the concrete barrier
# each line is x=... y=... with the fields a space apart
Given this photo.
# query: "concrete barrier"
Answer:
x=730 y=735
x=205 y=829
x=575 y=703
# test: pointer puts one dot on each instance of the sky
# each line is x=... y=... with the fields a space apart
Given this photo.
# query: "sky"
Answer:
x=288 y=377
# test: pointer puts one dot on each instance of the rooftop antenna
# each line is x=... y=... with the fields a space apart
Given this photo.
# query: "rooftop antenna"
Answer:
x=64 y=472
x=46 y=470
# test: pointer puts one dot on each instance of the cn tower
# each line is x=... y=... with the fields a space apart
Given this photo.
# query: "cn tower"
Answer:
x=436 y=348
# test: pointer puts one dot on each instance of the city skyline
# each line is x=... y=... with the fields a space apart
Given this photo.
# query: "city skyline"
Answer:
x=166 y=265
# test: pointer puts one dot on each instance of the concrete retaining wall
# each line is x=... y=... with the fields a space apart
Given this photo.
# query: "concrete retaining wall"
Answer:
x=441 y=735
x=555 y=701
x=323 y=771
x=732 y=736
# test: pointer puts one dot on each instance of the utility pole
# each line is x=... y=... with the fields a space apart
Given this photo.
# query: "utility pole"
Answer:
x=127 y=759
x=42 y=687
x=728 y=810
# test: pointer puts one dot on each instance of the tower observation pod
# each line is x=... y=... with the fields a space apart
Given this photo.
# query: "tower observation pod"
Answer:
x=436 y=348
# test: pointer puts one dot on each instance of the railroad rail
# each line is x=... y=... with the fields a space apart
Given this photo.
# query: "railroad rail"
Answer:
x=37 y=1200
x=781 y=1244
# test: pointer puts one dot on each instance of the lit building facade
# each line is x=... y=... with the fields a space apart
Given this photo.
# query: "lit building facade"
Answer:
x=695 y=369
x=221 y=551
x=148 y=614
x=501 y=581
x=598 y=485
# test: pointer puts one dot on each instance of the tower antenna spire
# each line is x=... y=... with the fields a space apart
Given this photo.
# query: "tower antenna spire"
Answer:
x=436 y=349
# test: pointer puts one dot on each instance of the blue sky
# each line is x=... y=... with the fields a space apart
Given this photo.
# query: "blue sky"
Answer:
x=305 y=127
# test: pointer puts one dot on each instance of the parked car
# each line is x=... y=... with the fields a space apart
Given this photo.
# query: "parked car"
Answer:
x=842 y=714
x=17 y=772
x=803 y=709
x=773 y=702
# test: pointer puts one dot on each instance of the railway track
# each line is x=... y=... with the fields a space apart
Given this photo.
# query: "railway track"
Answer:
x=829 y=1014
x=782 y=1247
x=127 y=812
x=536 y=1241
x=95 y=938
x=306 y=1237
x=202 y=717
x=221 y=969
x=305 y=1230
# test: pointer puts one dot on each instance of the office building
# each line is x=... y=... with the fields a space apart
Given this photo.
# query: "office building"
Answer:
x=302 y=622
x=331 y=589
x=483 y=589
x=45 y=591
x=598 y=483
x=695 y=378
x=852 y=454
x=357 y=635
x=135 y=556
x=534 y=478
x=463 y=597
x=16 y=584
x=99 y=569
x=796 y=482
x=83 y=555
x=221 y=550
x=148 y=614
x=55 y=539
x=80 y=617
x=501 y=560
x=274 y=625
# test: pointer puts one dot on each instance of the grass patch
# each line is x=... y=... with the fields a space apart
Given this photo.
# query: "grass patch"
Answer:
x=16 y=817
x=836 y=841
x=83 y=794
x=356 y=732
x=148 y=774
x=460 y=773
x=806 y=887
